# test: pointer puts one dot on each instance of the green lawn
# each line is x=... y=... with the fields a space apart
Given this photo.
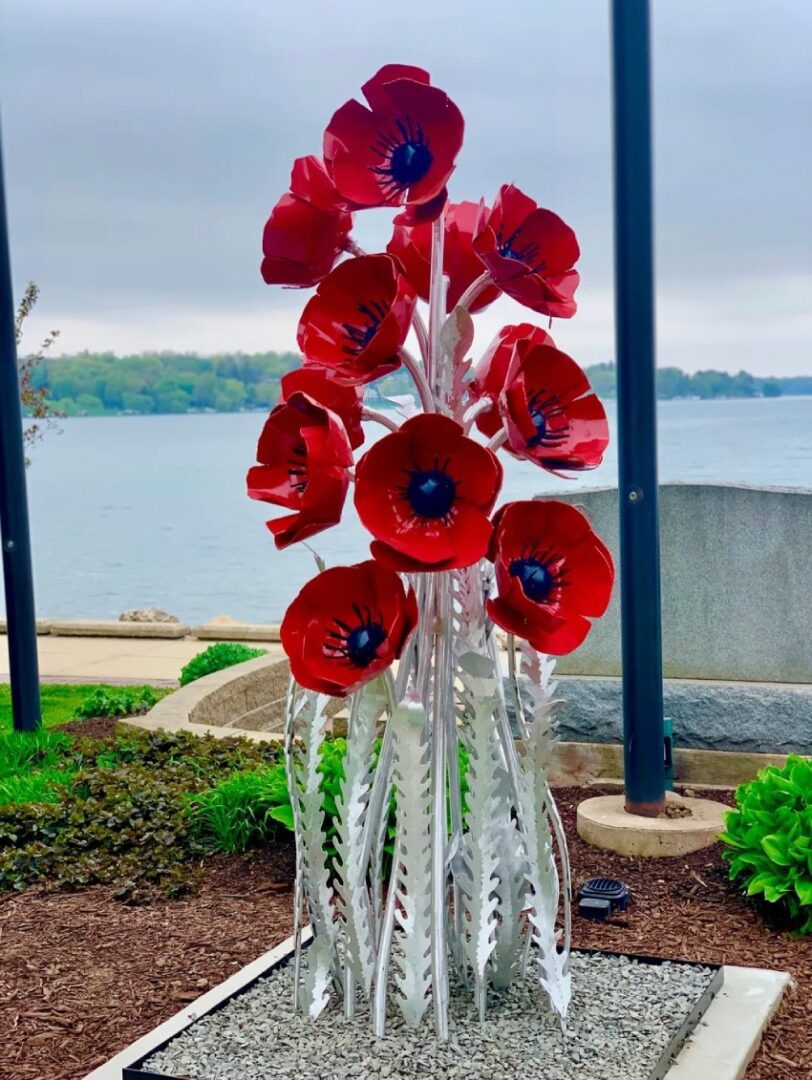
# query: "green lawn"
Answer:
x=59 y=701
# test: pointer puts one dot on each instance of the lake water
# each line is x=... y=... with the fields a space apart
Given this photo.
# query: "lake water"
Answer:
x=151 y=510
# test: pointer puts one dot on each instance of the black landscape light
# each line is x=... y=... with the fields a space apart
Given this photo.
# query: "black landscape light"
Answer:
x=600 y=897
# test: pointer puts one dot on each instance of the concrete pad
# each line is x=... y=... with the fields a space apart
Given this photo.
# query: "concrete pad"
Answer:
x=237 y=631
x=726 y=1039
x=604 y=823
x=103 y=628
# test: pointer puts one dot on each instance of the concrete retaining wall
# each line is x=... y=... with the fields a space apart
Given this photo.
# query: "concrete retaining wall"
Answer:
x=736 y=584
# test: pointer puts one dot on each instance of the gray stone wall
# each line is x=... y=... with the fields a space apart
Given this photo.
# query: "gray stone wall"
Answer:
x=736 y=584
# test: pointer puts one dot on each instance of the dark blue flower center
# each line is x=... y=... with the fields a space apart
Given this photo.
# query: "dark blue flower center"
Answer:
x=359 y=335
x=357 y=644
x=431 y=493
x=406 y=154
x=362 y=643
x=511 y=248
x=534 y=577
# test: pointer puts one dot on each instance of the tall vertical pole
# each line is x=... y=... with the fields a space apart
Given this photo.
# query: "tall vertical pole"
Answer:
x=637 y=412
x=17 y=573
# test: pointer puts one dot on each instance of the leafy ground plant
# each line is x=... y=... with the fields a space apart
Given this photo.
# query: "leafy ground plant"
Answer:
x=116 y=812
x=60 y=701
x=768 y=840
x=222 y=655
x=117 y=701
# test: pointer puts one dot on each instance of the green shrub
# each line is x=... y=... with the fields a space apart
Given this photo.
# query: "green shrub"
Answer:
x=116 y=701
x=245 y=810
x=222 y=655
x=768 y=840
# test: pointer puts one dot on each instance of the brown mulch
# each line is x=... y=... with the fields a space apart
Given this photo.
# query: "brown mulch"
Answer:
x=81 y=975
x=686 y=909
x=94 y=727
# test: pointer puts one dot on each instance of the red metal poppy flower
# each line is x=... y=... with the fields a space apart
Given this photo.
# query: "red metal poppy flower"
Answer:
x=358 y=320
x=461 y=264
x=425 y=493
x=304 y=454
x=399 y=150
x=553 y=573
x=347 y=625
x=347 y=402
x=551 y=415
x=530 y=253
x=307 y=229
x=490 y=374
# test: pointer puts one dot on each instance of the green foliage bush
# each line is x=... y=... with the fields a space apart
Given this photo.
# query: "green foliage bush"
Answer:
x=117 y=701
x=222 y=655
x=23 y=751
x=768 y=840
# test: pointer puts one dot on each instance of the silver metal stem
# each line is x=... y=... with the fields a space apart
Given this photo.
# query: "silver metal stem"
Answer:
x=439 y=871
x=380 y=418
x=474 y=290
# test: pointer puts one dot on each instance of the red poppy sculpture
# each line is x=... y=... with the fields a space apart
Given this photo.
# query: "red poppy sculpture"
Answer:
x=346 y=402
x=411 y=245
x=552 y=572
x=357 y=322
x=490 y=373
x=304 y=456
x=400 y=150
x=551 y=415
x=530 y=253
x=307 y=230
x=346 y=626
x=425 y=494
x=409 y=636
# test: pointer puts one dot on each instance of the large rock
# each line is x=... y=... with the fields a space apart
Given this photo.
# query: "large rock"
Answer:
x=148 y=614
x=754 y=717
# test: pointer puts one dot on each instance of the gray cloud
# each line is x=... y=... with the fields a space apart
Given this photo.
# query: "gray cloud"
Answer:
x=145 y=143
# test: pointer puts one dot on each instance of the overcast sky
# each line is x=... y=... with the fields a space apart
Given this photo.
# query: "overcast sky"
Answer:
x=146 y=141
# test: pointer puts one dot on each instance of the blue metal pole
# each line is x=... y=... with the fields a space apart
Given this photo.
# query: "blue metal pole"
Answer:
x=637 y=412
x=17 y=572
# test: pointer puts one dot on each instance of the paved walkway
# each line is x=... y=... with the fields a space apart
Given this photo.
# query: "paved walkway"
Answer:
x=115 y=660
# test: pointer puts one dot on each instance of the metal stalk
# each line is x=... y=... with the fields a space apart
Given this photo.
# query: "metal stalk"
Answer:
x=641 y=630
x=14 y=529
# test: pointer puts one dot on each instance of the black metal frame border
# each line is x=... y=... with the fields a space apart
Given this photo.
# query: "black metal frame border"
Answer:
x=659 y=1072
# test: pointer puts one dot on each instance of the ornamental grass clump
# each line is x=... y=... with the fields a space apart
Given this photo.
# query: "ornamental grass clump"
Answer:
x=768 y=840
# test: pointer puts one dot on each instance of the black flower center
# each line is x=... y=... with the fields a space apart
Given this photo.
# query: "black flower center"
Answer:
x=512 y=248
x=431 y=492
x=363 y=642
x=357 y=644
x=542 y=408
x=535 y=579
x=359 y=335
x=297 y=467
x=406 y=155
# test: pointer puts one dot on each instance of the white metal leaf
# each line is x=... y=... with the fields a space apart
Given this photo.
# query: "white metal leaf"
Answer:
x=412 y=878
x=480 y=841
x=352 y=891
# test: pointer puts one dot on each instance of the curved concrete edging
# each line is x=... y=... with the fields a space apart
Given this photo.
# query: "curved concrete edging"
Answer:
x=248 y=700
x=245 y=698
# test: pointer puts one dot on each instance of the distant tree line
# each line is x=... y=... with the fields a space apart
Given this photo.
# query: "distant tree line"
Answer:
x=96 y=384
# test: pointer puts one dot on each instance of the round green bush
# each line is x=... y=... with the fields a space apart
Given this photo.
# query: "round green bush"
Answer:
x=222 y=655
x=768 y=840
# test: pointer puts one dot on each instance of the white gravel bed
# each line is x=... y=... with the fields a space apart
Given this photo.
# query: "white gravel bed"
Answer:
x=623 y=1015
